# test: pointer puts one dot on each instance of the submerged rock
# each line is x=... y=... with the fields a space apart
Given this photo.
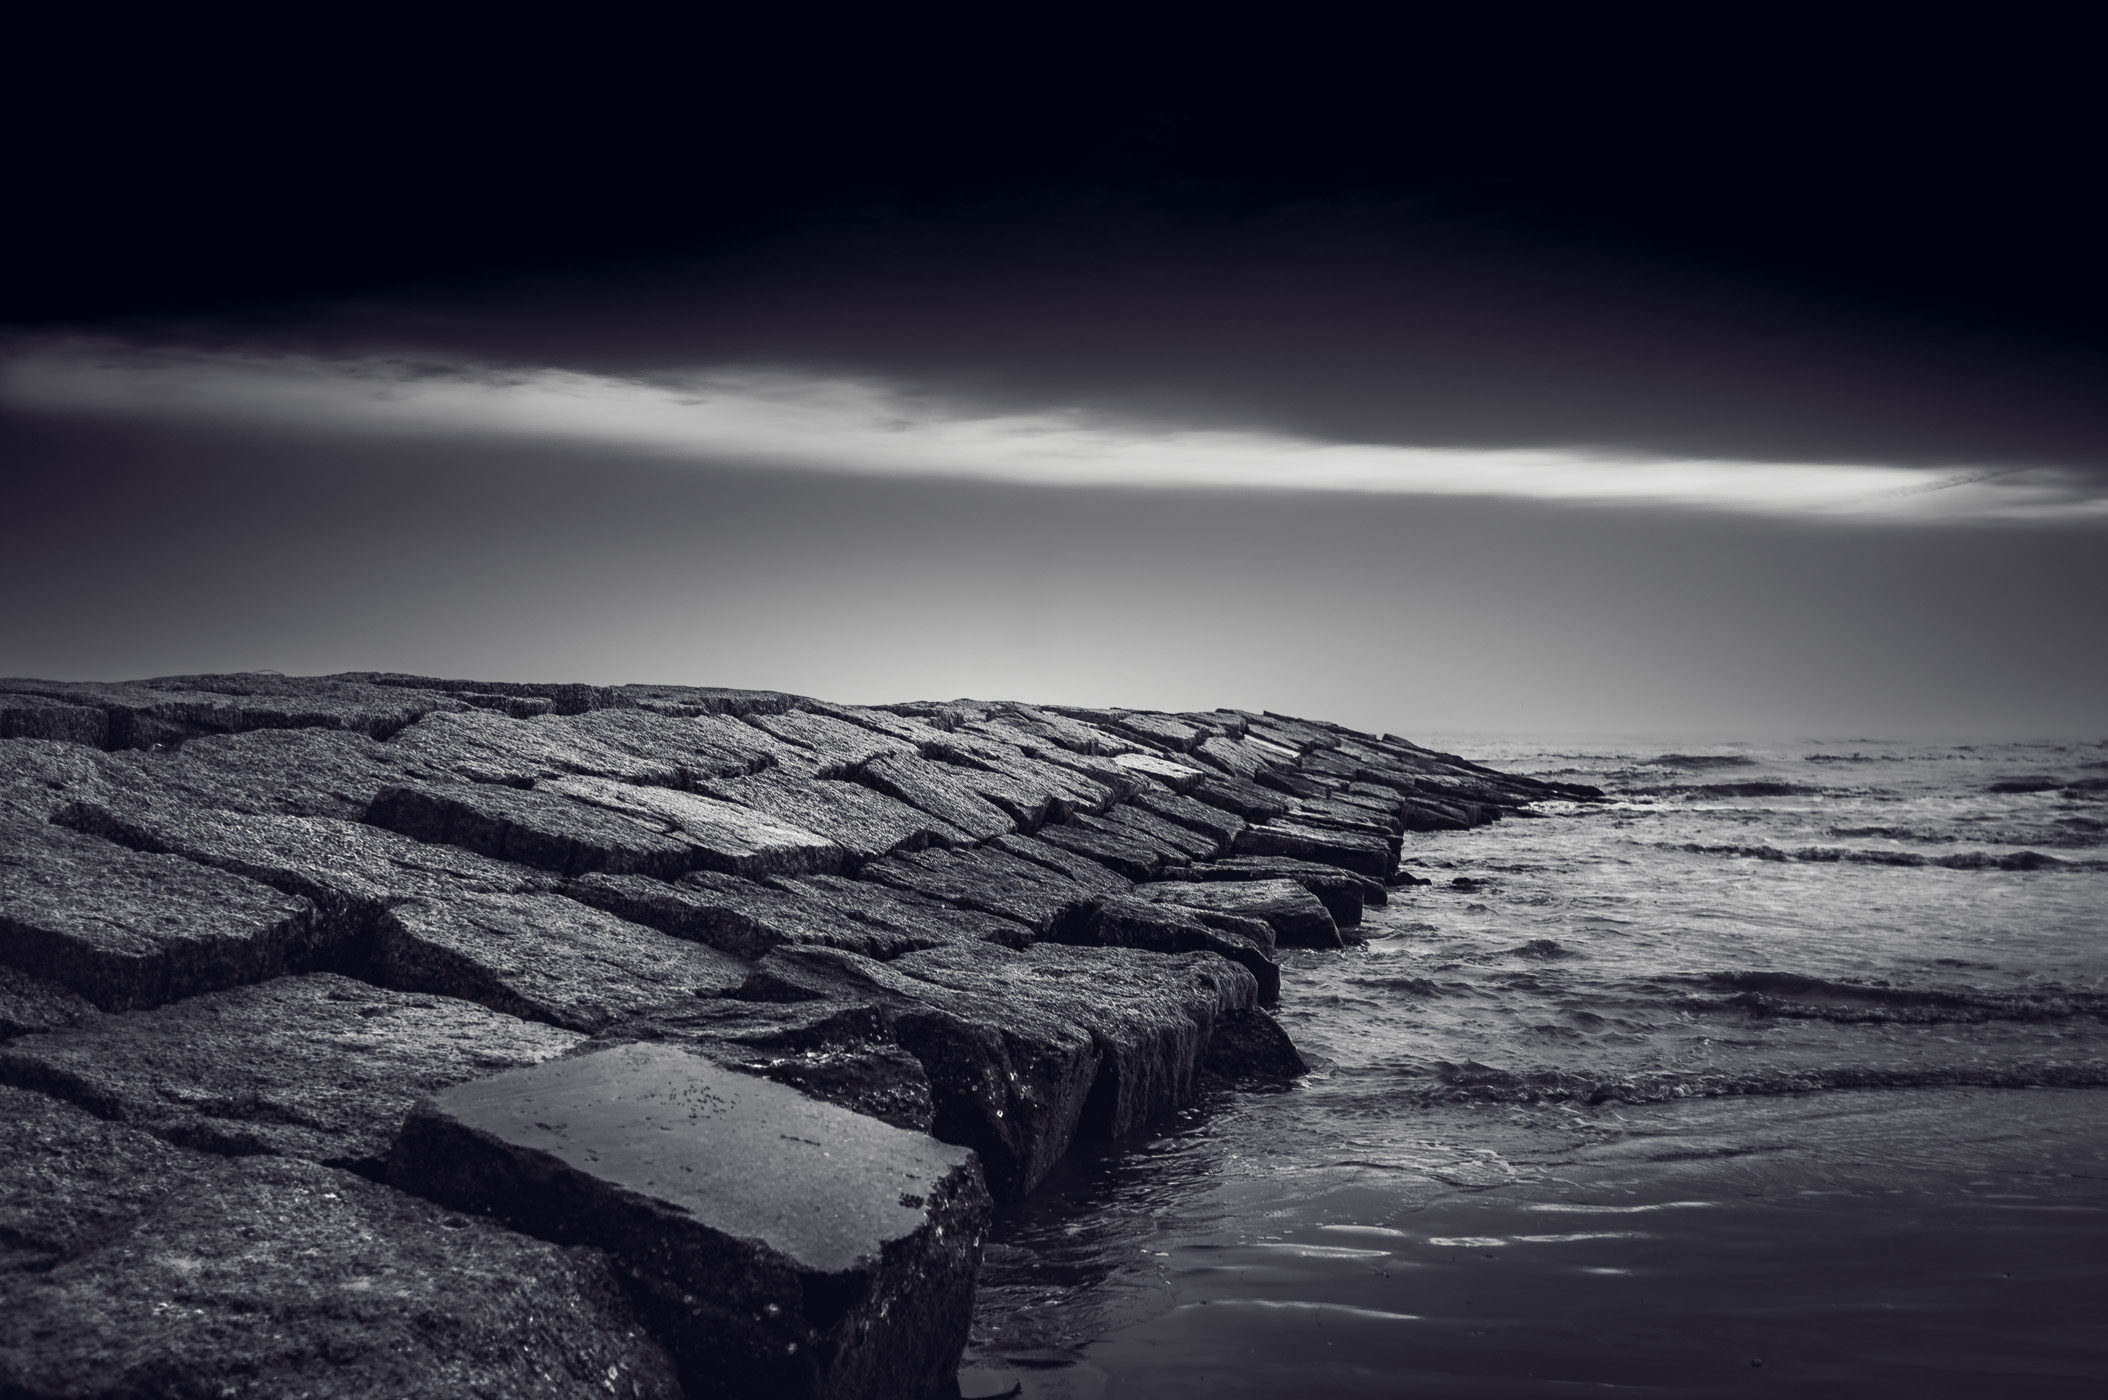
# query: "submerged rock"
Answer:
x=783 y=1246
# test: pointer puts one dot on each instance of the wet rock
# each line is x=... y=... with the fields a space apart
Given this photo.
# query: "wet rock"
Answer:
x=1193 y=814
x=1124 y=921
x=866 y=823
x=1249 y=1048
x=124 y=929
x=703 y=1184
x=140 y=1269
x=840 y=1053
x=1245 y=798
x=988 y=879
x=548 y=829
x=320 y=1067
x=744 y=918
x=38 y=717
x=1296 y=916
x=725 y=836
x=942 y=790
x=1169 y=836
x=543 y=957
x=1120 y=849
x=29 y=1004
x=1342 y=892
x=1364 y=854
x=1009 y=1081
x=1086 y=872
x=172 y=709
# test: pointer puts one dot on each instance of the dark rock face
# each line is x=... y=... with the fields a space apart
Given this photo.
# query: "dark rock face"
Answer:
x=1295 y=916
x=122 y=1275
x=321 y=1067
x=701 y=1182
x=543 y=957
x=576 y=916
x=125 y=929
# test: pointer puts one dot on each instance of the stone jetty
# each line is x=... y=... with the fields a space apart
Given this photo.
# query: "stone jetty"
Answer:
x=369 y=1035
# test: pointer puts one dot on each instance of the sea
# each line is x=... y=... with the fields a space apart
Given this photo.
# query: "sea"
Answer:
x=1782 y=1070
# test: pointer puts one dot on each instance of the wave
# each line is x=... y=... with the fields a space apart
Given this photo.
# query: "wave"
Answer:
x=1472 y=1082
x=1833 y=855
x=1793 y=995
x=1703 y=760
x=1764 y=788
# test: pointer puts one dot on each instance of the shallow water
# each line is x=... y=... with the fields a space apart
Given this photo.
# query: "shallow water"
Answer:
x=1786 y=1069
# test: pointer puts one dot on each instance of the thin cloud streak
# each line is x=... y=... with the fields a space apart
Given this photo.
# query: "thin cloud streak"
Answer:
x=868 y=427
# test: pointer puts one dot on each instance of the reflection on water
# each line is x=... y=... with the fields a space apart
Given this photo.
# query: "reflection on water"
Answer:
x=1700 y=1091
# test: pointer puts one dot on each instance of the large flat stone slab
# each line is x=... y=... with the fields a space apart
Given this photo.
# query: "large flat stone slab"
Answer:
x=169 y=710
x=988 y=879
x=126 y=929
x=1222 y=826
x=1242 y=797
x=39 y=717
x=1342 y=892
x=550 y=830
x=543 y=957
x=695 y=747
x=1296 y=916
x=1177 y=839
x=744 y=918
x=835 y=745
x=943 y=790
x=39 y=776
x=31 y=1004
x=296 y=772
x=320 y=1067
x=482 y=747
x=730 y=837
x=1125 y=851
x=863 y=821
x=785 y=1246
x=1124 y=921
x=134 y=1268
x=1365 y=854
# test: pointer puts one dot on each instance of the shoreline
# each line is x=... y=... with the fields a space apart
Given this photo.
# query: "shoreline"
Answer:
x=721 y=1016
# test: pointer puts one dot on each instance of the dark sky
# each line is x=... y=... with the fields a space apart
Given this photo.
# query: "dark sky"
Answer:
x=1472 y=384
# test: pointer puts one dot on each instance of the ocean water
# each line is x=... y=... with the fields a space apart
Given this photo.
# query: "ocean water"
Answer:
x=1785 y=1070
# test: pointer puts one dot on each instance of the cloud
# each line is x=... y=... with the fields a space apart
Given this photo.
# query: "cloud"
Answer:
x=869 y=427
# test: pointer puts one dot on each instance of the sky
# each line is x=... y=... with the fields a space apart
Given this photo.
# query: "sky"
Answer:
x=1390 y=450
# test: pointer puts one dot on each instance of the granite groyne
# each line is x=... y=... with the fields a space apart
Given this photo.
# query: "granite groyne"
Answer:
x=379 y=1035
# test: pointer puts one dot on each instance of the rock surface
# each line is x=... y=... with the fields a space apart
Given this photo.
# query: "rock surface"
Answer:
x=133 y=1268
x=787 y=1247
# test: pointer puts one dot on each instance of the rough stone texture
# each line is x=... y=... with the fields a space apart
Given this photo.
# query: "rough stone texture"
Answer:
x=741 y=917
x=545 y=829
x=483 y=747
x=1123 y=921
x=1035 y=785
x=543 y=957
x=1179 y=777
x=1118 y=848
x=940 y=789
x=1062 y=731
x=866 y=823
x=1216 y=823
x=930 y=922
x=1342 y=892
x=1233 y=756
x=730 y=837
x=320 y=1067
x=835 y=745
x=1249 y=1048
x=39 y=776
x=1244 y=798
x=1364 y=854
x=130 y=1268
x=124 y=929
x=1295 y=915
x=840 y=1052
x=37 y=717
x=29 y=1004
x=787 y=1247
x=987 y=879
x=295 y=772
x=1167 y=835
x=1144 y=726
x=1096 y=878
x=171 y=709
x=695 y=747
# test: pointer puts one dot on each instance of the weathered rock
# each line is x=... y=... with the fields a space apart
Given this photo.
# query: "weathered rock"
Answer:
x=549 y=829
x=1009 y=1079
x=1364 y=854
x=1179 y=777
x=741 y=917
x=320 y=1067
x=39 y=776
x=866 y=823
x=1296 y=916
x=1166 y=835
x=839 y=1052
x=1123 y=921
x=1348 y=813
x=172 y=709
x=835 y=745
x=987 y=879
x=1342 y=892
x=1215 y=822
x=1096 y=878
x=349 y=871
x=482 y=747
x=29 y=1004
x=702 y=701
x=1146 y=726
x=124 y=929
x=695 y=748
x=543 y=957
x=1245 y=798
x=943 y=790
x=785 y=1246
x=932 y=922
x=1033 y=790
x=729 y=837
x=38 y=717
x=1250 y=1048
x=1299 y=736
x=140 y=1269
x=1120 y=849
x=1232 y=756
x=294 y=772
